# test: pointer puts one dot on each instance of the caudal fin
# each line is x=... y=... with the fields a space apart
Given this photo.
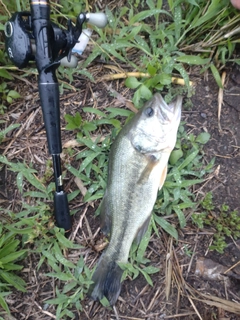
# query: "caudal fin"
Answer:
x=107 y=281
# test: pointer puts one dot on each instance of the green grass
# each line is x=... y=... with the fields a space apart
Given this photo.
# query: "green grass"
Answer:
x=166 y=44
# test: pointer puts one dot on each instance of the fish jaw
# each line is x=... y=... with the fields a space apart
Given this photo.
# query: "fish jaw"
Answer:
x=169 y=112
x=157 y=132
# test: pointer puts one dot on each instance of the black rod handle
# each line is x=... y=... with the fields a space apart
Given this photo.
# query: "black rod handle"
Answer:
x=49 y=96
x=61 y=212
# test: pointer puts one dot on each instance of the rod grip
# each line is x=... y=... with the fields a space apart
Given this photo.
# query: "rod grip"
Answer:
x=61 y=211
x=49 y=96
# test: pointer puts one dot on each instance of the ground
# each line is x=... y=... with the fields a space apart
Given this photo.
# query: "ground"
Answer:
x=138 y=300
x=190 y=296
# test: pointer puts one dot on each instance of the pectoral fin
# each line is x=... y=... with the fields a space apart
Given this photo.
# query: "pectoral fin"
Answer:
x=152 y=162
x=163 y=177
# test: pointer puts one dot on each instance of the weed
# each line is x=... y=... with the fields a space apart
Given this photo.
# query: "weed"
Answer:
x=185 y=170
x=9 y=255
x=6 y=95
x=8 y=129
x=77 y=279
x=225 y=222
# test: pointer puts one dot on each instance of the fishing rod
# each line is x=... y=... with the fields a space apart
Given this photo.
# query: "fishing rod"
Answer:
x=31 y=36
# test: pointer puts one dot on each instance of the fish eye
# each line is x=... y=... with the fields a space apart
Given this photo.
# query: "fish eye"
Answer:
x=149 y=112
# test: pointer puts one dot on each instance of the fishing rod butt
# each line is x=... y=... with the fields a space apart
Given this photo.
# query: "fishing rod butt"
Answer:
x=61 y=212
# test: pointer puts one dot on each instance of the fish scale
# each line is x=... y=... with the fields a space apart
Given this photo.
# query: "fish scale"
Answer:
x=137 y=169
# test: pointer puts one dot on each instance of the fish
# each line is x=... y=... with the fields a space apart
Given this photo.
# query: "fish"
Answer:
x=137 y=169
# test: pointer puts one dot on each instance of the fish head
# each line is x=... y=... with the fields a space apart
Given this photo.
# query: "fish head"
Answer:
x=155 y=126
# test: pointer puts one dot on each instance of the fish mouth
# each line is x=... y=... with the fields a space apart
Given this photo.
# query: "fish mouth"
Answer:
x=168 y=112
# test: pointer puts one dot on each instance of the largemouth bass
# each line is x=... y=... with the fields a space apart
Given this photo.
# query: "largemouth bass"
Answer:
x=137 y=169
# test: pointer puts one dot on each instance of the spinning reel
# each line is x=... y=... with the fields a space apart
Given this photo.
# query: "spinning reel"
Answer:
x=31 y=36
x=20 y=40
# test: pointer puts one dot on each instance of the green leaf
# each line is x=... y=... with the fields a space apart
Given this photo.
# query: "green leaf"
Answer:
x=27 y=230
x=166 y=226
x=9 y=246
x=114 y=122
x=61 y=276
x=5 y=74
x=145 y=14
x=142 y=45
x=132 y=83
x=144 y=243
x=114 y=112
x=151 y=70
x=69 y=286
x=164 y=78
x=3 y=303
x=20 y=181
x=36 y=194
x=13 y=94
x=59 y=300
x=96 y=52
x=181 y=217
x=133 y=33
x=61 y=259
x=178 y=21
x=88 y=160
x=147 y=277
x=94 y=111
x=89 y=143
x=33 y=180
x=145 y=92
x=86 y=74
x=189 y=159
x=151 y=270
x=179 y=67
x=110 y=49
x=13 y=280
x=175 y=156
x=216 y=75
x=192 y=60
x=12 y=256
x=12 y=266
x=104 y=302
x=10 y=128
x=203 y=137
x=74 y=122
x=189 y=183
x=66 y=242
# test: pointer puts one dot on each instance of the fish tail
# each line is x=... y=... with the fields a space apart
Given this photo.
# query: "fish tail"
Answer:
x=107 y=281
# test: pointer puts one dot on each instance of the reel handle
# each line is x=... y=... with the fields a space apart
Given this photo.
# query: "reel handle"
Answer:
x=98 y=19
